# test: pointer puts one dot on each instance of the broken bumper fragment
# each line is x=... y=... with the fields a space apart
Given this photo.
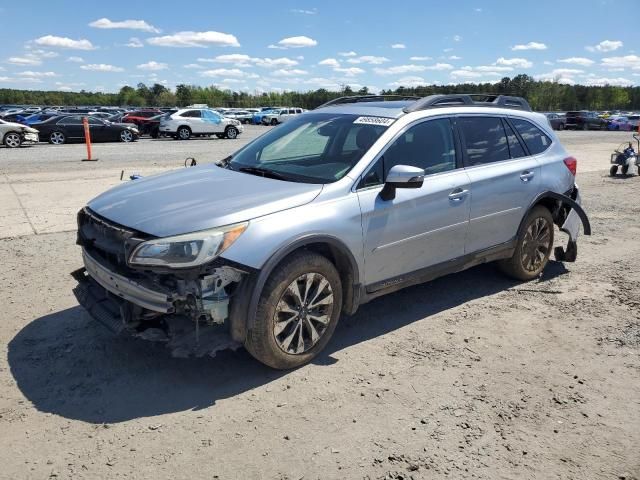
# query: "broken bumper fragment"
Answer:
x=571 y=225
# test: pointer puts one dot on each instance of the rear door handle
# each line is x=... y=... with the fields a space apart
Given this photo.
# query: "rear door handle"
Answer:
x=458 y=194
x=526 y=176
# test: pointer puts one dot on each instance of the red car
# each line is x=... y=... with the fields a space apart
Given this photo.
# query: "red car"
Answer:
x=140 y=117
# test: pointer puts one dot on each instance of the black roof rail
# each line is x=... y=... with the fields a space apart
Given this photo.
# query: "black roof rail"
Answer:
x=469 y=100
x=367 y=98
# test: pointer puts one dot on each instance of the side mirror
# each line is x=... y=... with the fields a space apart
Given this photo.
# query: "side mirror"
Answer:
x=401 y=176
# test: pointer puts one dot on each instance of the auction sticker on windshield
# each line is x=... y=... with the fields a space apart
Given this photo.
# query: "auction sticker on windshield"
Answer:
x=375 y=121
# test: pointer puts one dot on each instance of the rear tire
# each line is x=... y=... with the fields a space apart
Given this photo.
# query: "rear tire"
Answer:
x=57 y=138
x=533 y=247
x=274 y=122
x=561 y=126
x=289 y=331
x=12 y=140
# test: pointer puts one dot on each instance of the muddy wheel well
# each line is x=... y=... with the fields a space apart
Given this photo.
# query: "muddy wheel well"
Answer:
x=343 y=264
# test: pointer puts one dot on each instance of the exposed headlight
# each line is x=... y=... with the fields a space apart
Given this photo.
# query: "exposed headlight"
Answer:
x=189 y=250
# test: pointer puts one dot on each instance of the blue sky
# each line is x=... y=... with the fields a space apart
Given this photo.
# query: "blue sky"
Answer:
x=286 y=45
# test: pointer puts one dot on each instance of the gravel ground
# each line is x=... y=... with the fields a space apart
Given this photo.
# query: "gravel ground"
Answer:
x=469 y=376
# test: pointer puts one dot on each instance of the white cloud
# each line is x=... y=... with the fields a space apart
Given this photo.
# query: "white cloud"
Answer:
x=514 y=62
x=585 y=62
x=295 y=42
x=626 y=61
x=242 y=61
x=466 y=74
x=75 y=59
x=491 y=68
x=193 y=66
x=547 y=62
x=26 y=60
x=347 y=54
x=440 y=67
x=228 y=72
x=127 y=24
x=410 y=82
x=619 y=81
x=350 y=71
x=530 y=46
x=419 y=59
x=368 y=59
x=455 y=57
x=399 y=69
x=274 y=62
x=64 y=42
x=30 y=73
x=457 y=38
x=195 y=39
x=398 y=45
x=283 y=72
x=42 y=53
x=329 y=62
x=312 y=11
x=153 y=66
x=606 y=46
x=101 y=67
x=134 y=42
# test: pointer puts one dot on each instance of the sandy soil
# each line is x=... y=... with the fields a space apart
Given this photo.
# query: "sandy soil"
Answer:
x=469 y=376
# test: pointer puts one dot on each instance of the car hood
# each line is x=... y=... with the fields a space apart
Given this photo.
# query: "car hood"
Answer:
x=198 y=198
x=14 y=125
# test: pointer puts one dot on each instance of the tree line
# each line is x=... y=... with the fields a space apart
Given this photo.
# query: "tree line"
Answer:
x=542 y=95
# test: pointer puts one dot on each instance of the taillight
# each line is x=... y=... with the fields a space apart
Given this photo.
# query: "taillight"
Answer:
x=572 y=165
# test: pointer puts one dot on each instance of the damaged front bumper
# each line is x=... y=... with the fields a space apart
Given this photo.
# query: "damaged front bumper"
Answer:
x=192 y=319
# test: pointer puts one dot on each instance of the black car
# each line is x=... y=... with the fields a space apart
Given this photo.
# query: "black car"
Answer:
x=585 y=120
x=59 y=130
x=556 y=121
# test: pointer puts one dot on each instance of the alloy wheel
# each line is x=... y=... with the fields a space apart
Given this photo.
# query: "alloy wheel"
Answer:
x=303 y=313
x=57 y=138
x=232 y=133
x=12 y=140
x=126 y=136
x=536 y=244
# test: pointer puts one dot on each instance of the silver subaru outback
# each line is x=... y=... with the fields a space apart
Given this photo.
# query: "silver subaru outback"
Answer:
x=355 y=199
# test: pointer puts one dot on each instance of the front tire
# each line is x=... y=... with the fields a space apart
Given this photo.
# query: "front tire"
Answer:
x=231 y=133
x=613 y=170
x=274 y=122
x=533 y=247
x=12 y=140
x=297 y=313
x=126 y=136
x=625 y=169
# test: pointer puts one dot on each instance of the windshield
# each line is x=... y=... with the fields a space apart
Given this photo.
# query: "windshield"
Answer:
x=311 y=148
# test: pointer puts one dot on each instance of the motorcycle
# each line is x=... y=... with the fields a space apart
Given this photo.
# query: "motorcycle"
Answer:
x=625 y=157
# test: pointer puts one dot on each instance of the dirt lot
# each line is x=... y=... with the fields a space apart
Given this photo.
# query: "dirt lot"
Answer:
x=469 y=376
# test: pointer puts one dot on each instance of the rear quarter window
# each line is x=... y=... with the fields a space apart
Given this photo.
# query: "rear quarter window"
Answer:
x=536 y=140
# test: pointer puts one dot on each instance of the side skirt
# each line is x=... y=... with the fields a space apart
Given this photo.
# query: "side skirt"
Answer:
x=427 y=274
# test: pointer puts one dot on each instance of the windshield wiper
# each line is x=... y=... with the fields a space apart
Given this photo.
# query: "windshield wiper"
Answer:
x=264 y=172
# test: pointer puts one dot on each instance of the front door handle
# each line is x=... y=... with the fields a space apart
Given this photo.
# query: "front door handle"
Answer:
x=458 y=194
x=526 y=176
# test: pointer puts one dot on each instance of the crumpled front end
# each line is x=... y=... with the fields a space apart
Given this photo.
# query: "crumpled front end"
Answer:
x=188 y=309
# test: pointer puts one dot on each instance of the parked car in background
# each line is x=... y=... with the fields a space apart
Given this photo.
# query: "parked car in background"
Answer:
x=556 y=120
x=258 y=116
x=152 y=126
x=618 y=122
x=634 y=120
x=584 y=120
x=243 y=116
x=188 y=122
x=39 y=117
x=16 y=117
x=69 y=128
x=15 y=134
x=281 y=116
x=140 y=117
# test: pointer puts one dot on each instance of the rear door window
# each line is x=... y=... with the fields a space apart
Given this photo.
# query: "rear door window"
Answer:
x=535 y=139
x=515 y=148
x=485 y=140
x=191 y=114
